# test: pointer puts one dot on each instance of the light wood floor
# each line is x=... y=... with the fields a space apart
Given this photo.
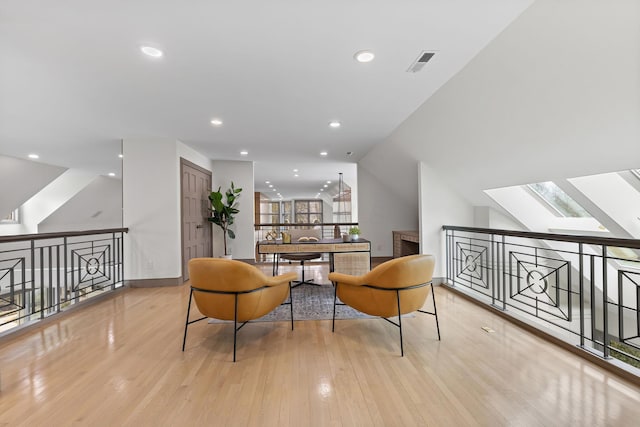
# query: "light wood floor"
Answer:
x=119 y=363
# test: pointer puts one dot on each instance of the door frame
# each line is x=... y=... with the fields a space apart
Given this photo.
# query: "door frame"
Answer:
x=186 y=162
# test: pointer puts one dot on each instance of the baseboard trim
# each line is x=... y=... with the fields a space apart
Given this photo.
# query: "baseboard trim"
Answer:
x=375 y=260
x=154 y=283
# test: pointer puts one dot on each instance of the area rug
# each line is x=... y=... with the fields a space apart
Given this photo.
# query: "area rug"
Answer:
x=310 y=303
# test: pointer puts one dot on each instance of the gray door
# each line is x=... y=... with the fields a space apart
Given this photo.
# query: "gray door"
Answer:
x=196 y=229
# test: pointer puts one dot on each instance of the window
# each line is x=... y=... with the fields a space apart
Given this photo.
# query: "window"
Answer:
x=558 y=200
x=308 y=211
x=269 y=212
x=12 y=218
x=286 y=212
x=342 y=206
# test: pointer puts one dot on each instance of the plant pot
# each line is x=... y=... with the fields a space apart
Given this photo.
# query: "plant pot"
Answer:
x=226 y=256
x=346 y=237
x=354 y=237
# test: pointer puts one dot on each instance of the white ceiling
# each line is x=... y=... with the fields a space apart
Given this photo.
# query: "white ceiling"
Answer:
x=73 y=82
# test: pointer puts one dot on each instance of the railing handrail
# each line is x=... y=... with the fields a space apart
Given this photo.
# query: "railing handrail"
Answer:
x=302 y=224
x=590 y=240
x=41 y=236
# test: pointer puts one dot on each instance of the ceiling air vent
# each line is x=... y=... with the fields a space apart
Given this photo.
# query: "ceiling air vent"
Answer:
x=423 y=58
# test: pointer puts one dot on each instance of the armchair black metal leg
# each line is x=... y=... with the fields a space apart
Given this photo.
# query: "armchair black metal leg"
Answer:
x=335 y=297
x=235 y=329
x=291 y=303
x=400 y=323
x=435 y=311
x=276 y=264
x=186 y=323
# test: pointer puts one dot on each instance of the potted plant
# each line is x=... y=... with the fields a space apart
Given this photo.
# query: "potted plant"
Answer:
x=224 y=211
x=354 y=232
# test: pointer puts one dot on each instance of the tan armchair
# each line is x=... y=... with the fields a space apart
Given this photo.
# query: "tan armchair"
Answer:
x=391 y=289
x=233 y=290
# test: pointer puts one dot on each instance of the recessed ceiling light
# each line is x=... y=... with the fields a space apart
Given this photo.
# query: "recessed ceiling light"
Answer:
x=322 y=189
x=334 y=124
x=112 y=174
x=295 y=175
x=34 y=156
x=323 y=153
x=151 y=51
x=244 y=152
x=325 y=186
x=270 y=185
x=267 y=182
x=275 y=189
x=364 y=56
x=216 y=122
x=328 y=182
x=295 y=170
x=120 y=155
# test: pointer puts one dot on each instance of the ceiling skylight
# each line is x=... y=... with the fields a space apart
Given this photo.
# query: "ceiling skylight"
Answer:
x=560 y=202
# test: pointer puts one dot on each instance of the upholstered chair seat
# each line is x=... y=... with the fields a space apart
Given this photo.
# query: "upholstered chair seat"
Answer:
x=393 y=288
x=233 y=290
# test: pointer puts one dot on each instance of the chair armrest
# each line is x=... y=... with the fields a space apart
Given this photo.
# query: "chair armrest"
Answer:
x=347 y=279
x=280 y=279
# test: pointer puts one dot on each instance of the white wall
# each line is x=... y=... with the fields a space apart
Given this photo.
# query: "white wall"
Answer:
x=616 y=197
x=19 y=181
x=350 y=177
x=503 y=221
x=151 y=208
x=193 y=156
x=554 y=95
x=382 y=210
x=439 y=206
x=241 y=173
x=151 y=204
x=96 y=206
x=52 y=197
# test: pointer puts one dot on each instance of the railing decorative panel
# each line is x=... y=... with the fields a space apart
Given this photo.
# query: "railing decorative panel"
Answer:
x=583 y=289
x=42 y=274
